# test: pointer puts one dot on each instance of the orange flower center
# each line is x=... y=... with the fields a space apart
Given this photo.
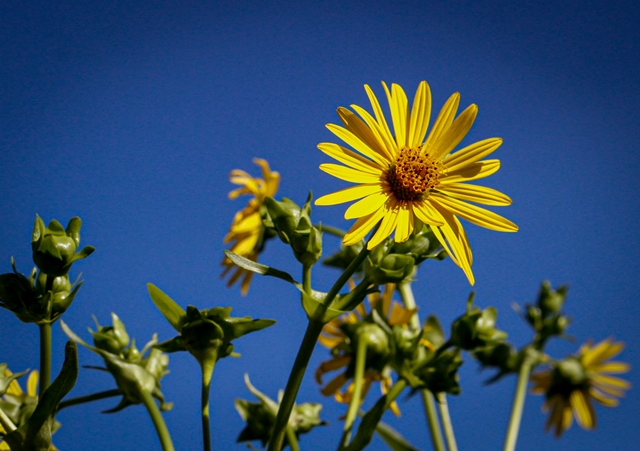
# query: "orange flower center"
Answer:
x=413 y=175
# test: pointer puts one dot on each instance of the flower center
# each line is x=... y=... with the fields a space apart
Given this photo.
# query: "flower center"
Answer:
x=413 y=175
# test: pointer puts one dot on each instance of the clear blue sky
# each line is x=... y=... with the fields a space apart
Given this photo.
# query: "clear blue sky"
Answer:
x=131 y=115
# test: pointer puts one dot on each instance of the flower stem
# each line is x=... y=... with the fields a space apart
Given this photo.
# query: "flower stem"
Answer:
x=89 y=398
x=306 y=278
x=406 y=293
x=446 y=422
x=158 y=421
x=344 y=277
x=356 y=396
x=518 y=404
x=331 y=230
x=207 y=367
x=293 y=384
x=291 y=438
x=45 y=356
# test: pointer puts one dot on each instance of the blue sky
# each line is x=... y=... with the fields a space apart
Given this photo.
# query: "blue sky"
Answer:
x=131 y=115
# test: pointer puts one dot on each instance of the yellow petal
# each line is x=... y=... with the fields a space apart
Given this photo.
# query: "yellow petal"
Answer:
x=583 y=410
x=476 y=215
x=377 y=110
x=470 y=154
x=351 y=159
x=355 y=142
x=350 y=175
x=425 y=213
x=602 y=398
x=405 y=223
x=335 y=385
x=601 y=379
x=361 y=130
x=604 y=350
x=32 y=383
x=387 y=226
x=475 y=193
x=366 y=206
x=362 y=226
x=473 y=171
x=443 y=121
x=612 y=367
x=399 y=107
x=348 y=194
x=389 y=146
x=420 y=115
x=454 y=134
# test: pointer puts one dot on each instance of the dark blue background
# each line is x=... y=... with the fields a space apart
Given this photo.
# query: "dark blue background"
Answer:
x=131 y=115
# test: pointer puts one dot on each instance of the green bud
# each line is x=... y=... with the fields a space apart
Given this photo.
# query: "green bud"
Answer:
x=550 y=301
x=54 y=248
x=476 y=329
x=392 y=268
x=440 y=373
x=420 y=246
x=112 y=339
x=19 y=294
x=567 y=374
x=285 y=216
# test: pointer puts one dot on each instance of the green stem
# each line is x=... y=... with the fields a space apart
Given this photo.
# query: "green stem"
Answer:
x=45 y=356
x=331 y=230
x=446 y=422
x=207 y=367
x=406 y=293
x=6 y=422
x=291 y=438
x=394 y=392
x=158 y=421
x=293 y=384
x=89 y=398
x=306 y=278
x=304 y=355
x=518 y=404
x=356 y=397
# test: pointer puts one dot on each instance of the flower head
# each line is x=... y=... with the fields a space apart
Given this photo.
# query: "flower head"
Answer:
x=247 y=232
x=339 y=335
x=408 y=178
x=572 y=384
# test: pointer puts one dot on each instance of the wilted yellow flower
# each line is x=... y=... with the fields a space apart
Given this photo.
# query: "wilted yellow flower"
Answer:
x=246 y=233
x=571 y=385
x=334 y=337
x=405 y=180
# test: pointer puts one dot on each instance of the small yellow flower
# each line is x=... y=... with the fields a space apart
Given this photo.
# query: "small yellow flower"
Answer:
x=334 y=338
x=246 y=233
x=404 y=180
x=571 y=385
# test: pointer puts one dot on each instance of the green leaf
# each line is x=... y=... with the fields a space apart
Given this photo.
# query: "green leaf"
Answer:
x=241 y=328
x=368 y=426
x=314 y=307
x=258 y=268
x=393 y=439
x=167 y=306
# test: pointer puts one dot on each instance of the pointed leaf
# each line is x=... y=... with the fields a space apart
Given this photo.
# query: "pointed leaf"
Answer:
x=393 y=439
x=258 y=268
x=167 y=306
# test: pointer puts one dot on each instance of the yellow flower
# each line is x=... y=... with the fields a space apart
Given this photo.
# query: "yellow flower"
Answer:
x=405 y=180
x=15 y=396
x=334 y=337
x=246 y=233
x=572 y=384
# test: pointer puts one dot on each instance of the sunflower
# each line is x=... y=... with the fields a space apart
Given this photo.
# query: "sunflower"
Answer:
x=335 y=337
x=247 y=233
x=571 y=385
x=404 y=180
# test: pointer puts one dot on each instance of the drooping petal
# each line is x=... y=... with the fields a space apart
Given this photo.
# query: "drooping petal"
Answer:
x=425 y=213
x=349 y=174
x=583 y=410
x=387 y=226
x=476 y=215
x=348 y=194
x=475 y=193
x=405 y=223
x=362 y=226
x=470 y=154
x=473 y=171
